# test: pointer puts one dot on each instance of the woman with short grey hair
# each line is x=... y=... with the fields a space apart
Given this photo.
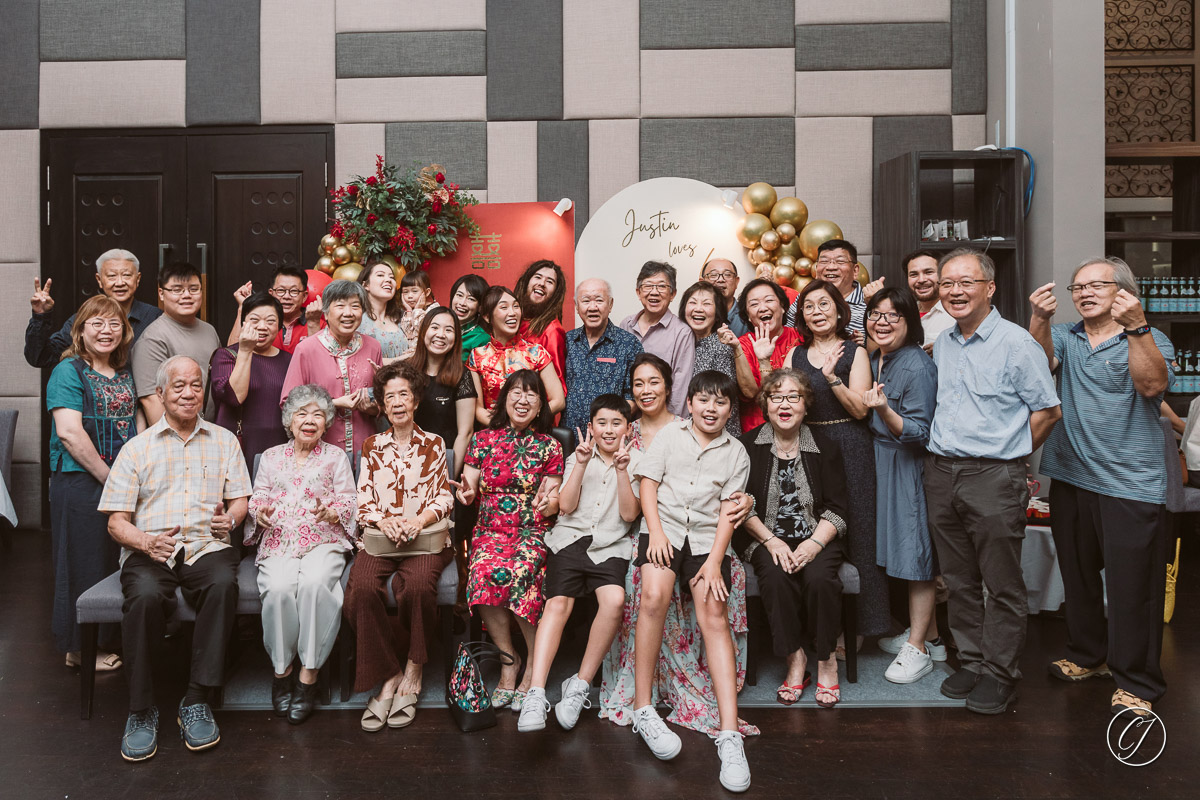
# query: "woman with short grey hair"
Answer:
x=302 y=518
x=342 y=361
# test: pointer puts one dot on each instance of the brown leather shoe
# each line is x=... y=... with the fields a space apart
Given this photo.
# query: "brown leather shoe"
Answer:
x=1069 y=671
x=1123 y=701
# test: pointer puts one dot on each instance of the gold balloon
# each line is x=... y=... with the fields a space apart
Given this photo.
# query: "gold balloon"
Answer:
x=328 y=243
x=765 y=270
x=862 y=276
x=399 y=270
x=758 y=255
x=786 y=231
x=752 y=228
x=769 y=240
x=784 y=275
x=815 y=234
x=804 y=266
x=347 y=272
x=785 y=261
x=801 y=281
x=789 y=209
x=759 y=198
x=341 y=255
x=325 y=264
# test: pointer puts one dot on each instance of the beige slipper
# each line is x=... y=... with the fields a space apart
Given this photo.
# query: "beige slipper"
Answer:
x=403 y=711
x=105 y=662
x=373 y=719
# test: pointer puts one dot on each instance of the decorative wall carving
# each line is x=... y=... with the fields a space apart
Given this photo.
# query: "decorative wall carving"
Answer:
x=1149 y=104
x=1148 y=26
x=1138 y=180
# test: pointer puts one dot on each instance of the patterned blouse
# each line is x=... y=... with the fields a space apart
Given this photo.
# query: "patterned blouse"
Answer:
x=712 y=354
x=293 y=491
x=494 y=362
x=394 y=343
x=109 y=406
x=402 y=482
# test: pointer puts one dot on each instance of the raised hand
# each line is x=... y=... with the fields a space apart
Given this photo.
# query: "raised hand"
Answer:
x=874 y=397
x=725 y=335
x=586 y=448
x=831 y=360
x=1043 y=302
x=162 y=546
x=222 y=523
x=247 y=339
x=243 y=291
x=325 y=514
x=265 y=516
x=313 y=312
x=41 y=301
x=764 y=342
x=621 y=457
x=463 y=491
x=874 y=286
x=1127 y=311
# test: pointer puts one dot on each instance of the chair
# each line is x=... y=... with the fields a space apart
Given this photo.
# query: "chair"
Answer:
x=1180 y=499
x=8 y=435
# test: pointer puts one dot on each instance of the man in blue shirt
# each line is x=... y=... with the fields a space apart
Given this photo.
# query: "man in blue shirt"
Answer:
x=599 y=354
x=995 y=405
x=1109 y=489
x=721 y=273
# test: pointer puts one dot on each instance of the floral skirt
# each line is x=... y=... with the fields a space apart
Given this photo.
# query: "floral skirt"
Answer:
x=506 y=570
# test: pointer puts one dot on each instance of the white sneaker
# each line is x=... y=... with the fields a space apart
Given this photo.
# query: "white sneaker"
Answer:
x=894 y=644
x=735 y=772
x=533 y=711
x=574 y=700
x=662 y=741
x=909 y=666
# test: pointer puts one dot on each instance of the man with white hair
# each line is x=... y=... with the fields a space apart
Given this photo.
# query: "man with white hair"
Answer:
x=174 y=495
x=118 y=276
x=599 y=354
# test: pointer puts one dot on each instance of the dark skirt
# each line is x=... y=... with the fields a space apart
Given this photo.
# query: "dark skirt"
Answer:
x=82 y=553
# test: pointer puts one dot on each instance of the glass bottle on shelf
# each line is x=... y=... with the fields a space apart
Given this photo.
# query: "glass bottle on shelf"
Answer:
x=1190 y=301
x=1181 y=372
x=1173 y=297
x=1151 y=294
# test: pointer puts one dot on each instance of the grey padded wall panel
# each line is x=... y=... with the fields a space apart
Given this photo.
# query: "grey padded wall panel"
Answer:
x=403 y=54
x=223 y=56
x=113 y=30
x=19 y=64
x=895 y=136
x=562 y=165
x=684 y=24
x=900 y=45
x=968 y=22
x=524 y=59
x=460 y=147
x=723 y=152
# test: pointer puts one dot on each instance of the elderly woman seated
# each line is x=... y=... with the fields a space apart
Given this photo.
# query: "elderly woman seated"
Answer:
x=302 y=516
x=795 y=537
x=402 y=489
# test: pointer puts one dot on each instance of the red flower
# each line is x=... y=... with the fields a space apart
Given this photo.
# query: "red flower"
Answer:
x=352 y=189
x=402 y=241
x=432 y=229
x=372 y=180
x=424 y=265
x=440 y=178
x=437 y=206
x=337 y=230
x=372 y=219
x=452 y=187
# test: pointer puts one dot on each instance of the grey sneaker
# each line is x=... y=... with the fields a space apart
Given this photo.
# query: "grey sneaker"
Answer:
x=574 y=700
x=662 y=741
x=533 y=711
x=141 y=735
x=893 y=645
x=197 y=727
x=735 y=772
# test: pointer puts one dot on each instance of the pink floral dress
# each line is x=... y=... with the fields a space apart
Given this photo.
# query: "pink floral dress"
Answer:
x=682 y=680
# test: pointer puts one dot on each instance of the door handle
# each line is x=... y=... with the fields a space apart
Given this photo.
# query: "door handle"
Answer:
x=203 y=248
x=163 y=249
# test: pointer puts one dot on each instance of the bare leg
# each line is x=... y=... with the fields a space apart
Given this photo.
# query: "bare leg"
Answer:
x=309 y=676
x=797 y=663
x=657 y=585
x=388 y=690
x=827 y=672
x=497 y=622
x=410 y=679
x=554 y=618
x=611 y=600
x=922 y=612
x=529 y=631
x=713 y=616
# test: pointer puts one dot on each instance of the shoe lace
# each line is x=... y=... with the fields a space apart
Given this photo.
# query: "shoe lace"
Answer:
x=200 y=712
x=143 y=719
x=577 y=696
x=729 y=748
x=649 y=725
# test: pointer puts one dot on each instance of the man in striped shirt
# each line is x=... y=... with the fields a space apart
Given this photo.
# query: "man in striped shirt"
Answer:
x=1107 y=498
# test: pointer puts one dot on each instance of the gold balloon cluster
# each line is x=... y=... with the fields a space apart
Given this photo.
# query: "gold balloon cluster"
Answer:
x=340 y=261
x=779 y=239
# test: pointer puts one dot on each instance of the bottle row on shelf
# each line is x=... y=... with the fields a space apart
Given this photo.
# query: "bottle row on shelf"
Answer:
x=1187 y=372
x=1170 y=295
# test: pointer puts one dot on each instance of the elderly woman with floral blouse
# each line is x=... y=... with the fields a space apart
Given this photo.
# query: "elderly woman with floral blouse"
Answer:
x=302 y=517
x=402 y=489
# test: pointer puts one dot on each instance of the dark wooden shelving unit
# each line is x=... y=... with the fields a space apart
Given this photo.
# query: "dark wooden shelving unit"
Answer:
x=924 y=184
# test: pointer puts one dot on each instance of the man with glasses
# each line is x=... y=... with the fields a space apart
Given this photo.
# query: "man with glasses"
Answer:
x=178 y=332
x=289 y=285
x=661 y=332
x=722 y=274
x=996 y=404
x=837 y=263
x=1109 y=485
x=118 y=276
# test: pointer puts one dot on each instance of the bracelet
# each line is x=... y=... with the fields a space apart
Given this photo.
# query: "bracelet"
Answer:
x=1137 y=331
x=817 y=541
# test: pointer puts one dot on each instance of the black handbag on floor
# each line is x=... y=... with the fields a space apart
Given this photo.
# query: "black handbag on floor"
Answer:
x=467 y=695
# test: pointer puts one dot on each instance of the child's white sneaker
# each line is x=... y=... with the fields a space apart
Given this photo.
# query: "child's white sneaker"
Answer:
x=533 y=711
x=662 y=741
x=735 y=772
x=574 y=700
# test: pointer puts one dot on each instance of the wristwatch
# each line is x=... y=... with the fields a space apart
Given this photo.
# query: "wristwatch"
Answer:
x=835 y=382
x=1142 y=331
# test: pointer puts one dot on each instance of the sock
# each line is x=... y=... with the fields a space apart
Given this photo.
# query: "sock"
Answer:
x=195 y=694
x=935 y=641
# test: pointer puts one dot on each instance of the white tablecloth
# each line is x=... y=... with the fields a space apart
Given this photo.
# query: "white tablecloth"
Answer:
x=1039 y=562
x=6 y=504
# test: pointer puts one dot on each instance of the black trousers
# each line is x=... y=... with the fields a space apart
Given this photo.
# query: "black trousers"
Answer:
x=1128 y=540
x=209 y=586
x=804 y=609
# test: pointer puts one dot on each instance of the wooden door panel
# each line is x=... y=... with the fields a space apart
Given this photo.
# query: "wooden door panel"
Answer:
x=116 y=211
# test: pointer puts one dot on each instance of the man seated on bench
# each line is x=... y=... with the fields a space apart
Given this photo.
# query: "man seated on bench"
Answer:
x=174 y=494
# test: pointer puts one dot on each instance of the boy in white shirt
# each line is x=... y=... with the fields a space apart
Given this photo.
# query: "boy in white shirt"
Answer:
x=589 y=553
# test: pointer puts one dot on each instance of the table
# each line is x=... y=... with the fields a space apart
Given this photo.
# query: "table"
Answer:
x=1039 y=563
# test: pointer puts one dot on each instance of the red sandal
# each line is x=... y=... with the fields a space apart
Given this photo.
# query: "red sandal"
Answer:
x=828 y=691
x=794 y=691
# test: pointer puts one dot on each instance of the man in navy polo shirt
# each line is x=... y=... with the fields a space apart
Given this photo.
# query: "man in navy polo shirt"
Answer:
x=1109 y=487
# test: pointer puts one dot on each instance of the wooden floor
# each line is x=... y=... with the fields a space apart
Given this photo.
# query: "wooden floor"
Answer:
x=1052 y=745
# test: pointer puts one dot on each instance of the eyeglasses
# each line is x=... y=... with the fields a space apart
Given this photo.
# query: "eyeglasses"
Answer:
x=777 y=399
x=176 y=291
x=890 y=316
x=713 y=277
x=967 y=284
x=660 y=288
x=517 y=394
x=99 y=325
x=821 y=305
x=1091 y=286
x=840 y=262
x=288 y=292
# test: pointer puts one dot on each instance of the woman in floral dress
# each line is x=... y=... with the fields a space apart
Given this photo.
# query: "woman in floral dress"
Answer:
x=513 y=467
x=681 y=680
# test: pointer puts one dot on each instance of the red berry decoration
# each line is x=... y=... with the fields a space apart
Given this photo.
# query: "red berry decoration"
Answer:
x=440 y=178
x=432 y=229
x=437 y=206
x=424 y=265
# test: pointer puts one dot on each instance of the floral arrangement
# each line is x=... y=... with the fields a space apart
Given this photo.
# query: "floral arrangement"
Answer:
x=413 y=218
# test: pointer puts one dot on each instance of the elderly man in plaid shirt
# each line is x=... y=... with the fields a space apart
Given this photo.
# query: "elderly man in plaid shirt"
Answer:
x=173 y=497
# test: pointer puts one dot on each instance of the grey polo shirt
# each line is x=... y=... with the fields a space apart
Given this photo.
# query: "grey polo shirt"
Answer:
x=598 y=514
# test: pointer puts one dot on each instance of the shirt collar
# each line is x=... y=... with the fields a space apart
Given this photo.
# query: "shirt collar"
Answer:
x=580 y=334
x=985 y=328
x=766 y=435
x=720 y=440
x=161 y=427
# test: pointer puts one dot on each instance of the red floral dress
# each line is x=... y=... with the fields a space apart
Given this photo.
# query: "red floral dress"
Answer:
x=508 y=552
x=495 y=362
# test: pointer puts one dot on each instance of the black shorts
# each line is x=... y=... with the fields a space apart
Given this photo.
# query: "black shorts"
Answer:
x=571 y=572
x=683 y=563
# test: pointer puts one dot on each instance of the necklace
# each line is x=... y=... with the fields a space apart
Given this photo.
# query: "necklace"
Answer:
x=790 y=452
x=824 y=350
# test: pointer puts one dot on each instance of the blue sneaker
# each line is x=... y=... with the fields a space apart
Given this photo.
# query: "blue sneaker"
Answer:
x=197 y=726
x=141 y=735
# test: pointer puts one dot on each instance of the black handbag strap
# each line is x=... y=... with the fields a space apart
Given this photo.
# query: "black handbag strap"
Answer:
x=486 y=651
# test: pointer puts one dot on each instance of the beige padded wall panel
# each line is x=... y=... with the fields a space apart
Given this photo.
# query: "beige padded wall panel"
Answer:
x=297 y=65
x=833 y=173
x=409 y=15
x=355 y=148
x=612 y=158
x=112 y=94
x=600 y=59
x=873 y=92
x=19 y=203
x=824 y=12
x=714 y=83
x=19 y=378
x=410 y=99
x=969 y=131
x=512 y=162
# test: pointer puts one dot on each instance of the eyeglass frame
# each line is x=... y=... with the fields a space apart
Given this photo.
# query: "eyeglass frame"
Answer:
x=1076 y=288
x=179 y=291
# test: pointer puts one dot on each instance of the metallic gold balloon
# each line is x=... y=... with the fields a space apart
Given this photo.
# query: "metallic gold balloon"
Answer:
x=765 y=270
x=328 y=243
x=347 y=272
x=785 y=261
x=752 y=228
x=791 y=248
x=804 y=266
x=753 y=259
x=759 y=198
x=801 y=281
x=789 y=209
x=758 y=255
x=769 y=240
x=325 y=264
x=815 y=234
x=786 y=231
x=784 y=275
x=862 y=276
x=341 y=255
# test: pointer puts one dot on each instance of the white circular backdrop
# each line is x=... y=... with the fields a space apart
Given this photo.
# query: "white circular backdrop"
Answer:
x=677 y=220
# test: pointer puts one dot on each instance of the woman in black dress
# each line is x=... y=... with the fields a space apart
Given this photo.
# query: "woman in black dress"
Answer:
x=447 y=407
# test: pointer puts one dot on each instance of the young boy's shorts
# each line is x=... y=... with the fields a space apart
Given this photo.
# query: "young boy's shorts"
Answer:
x=571 y=572
x=683 y=563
